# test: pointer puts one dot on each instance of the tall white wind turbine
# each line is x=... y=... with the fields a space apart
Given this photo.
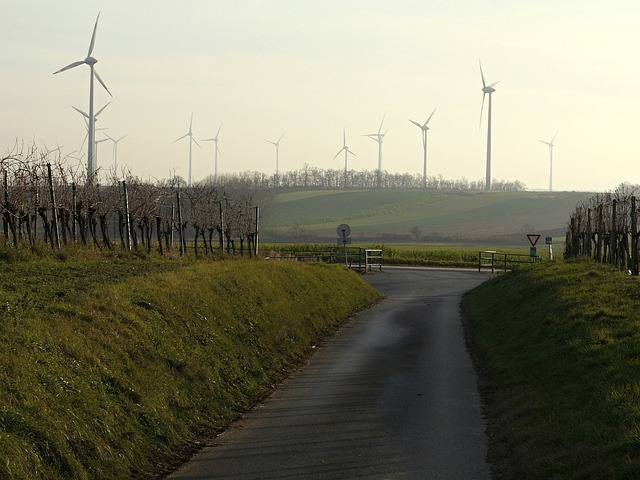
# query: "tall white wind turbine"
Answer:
x=346 y=151
x=277 y=144
x=378 y=138
x=550 y=144
x=217 y=152
x=424 y=129
x=191 y=142
x=487 y=89
x=91 y=61
x=115 y=150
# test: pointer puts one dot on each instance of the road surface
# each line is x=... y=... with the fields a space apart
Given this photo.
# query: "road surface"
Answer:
x=392 y=396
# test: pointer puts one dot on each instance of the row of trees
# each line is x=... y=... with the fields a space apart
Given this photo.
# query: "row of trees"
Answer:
x=313 y=177
x=52 y=202
x=606 y=229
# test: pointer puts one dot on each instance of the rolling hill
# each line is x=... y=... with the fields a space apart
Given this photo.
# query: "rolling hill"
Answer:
x=408 y=216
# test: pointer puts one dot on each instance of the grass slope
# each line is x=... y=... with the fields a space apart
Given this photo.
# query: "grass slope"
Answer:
x=386 y=215
x=110 y=367
x=558 y=348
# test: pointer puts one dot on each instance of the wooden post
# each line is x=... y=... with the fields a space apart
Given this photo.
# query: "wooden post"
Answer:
x=613 y=253
x=159 y=233
x=634 y=237
x=180 y=231
x=222 y=250
x=589 y=234
x=56 y=236
x=127 y=221
x=255 y=238
x=74 y=212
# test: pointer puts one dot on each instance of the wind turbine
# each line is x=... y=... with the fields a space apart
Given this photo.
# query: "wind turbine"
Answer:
x=487 y=89
x=95 y=119
x=378 y=138
x=91 y=61
x=115 y=150
x=550 y=144
x=217 y=152
x=191 y=142
x=424 y=129
x=346 y=153
x=277 y=144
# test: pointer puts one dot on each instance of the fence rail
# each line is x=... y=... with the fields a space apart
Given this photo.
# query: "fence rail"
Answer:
x=502 y=261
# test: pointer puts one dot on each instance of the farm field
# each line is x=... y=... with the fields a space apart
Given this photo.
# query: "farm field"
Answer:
x=385 y=216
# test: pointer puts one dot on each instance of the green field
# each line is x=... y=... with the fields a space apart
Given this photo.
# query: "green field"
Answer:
x=394 y=215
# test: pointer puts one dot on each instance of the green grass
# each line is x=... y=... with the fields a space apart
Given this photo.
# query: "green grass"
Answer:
x=390 y=215
x=112 y=367
x=558 y=348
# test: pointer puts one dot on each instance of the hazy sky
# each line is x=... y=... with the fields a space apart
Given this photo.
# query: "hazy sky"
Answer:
x=310 y=69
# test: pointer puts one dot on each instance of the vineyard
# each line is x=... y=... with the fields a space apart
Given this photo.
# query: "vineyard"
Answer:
x=52 y=203
x=606 y=229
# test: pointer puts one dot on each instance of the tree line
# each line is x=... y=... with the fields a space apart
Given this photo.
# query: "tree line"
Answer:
x=605 y=228
x=51 y=201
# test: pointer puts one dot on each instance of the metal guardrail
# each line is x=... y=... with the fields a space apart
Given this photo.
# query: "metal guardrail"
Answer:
x=353 y=257
x=502 y=261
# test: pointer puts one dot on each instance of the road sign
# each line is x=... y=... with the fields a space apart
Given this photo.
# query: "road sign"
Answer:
x=343 y=230
x=533 y=238
x=548 y=240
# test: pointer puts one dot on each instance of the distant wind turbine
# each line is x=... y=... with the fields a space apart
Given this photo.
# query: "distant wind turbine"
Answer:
x=277 y=144
x=424 y=129
x=91 y=61
x=550 y=144
x=487 y=89
x=115 y=150
x=95 y=119
x=346 y=151
x=217 y=152
x=191 y=142
x=378 y=138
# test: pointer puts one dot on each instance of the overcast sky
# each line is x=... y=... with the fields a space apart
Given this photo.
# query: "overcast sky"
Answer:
x=310 y=69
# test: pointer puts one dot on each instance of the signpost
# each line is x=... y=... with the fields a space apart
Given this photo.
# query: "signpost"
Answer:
x=549 y=241
x=533 y=239
x=344 y=238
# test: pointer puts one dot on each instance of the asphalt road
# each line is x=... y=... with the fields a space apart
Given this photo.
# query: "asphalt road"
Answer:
x=392 y=396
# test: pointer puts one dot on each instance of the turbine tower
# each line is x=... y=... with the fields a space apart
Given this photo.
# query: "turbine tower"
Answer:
x=487 y=89
x=115 y=150
x=191 y=142
x=378 y=138
x=217 y=152
x=91 y=61
x=277 y=144
x=550 y=144
x=424 y=129
x=346 y=153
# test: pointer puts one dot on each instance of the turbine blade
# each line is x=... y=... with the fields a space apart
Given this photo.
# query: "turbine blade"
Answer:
x=218 y=150
x=122 y=137
x=344 y=136
x=415 y=123
x=380 y=128
x=280 y=138
x=80 y=111
x=194 y=141
x=185 y=135
x=494 y=84
x=70 y=66
x=191 y=123
x=272 y=143
x=95 y=73
x=554 y=137
x=339 y=152
x=349 y=151
x=93 y=37
x=100 y=111
x=482 y=108
x=218 y=132
x=207 y=140
x=482 y=75
x=434 y=111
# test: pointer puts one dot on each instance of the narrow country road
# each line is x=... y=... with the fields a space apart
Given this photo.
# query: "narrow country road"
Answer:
x=392 y=396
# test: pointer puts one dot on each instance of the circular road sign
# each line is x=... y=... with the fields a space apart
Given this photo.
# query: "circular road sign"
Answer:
x=343 y=230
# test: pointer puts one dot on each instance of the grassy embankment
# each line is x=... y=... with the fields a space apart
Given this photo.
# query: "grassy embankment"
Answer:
x=111 y=367
x=558 y=349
